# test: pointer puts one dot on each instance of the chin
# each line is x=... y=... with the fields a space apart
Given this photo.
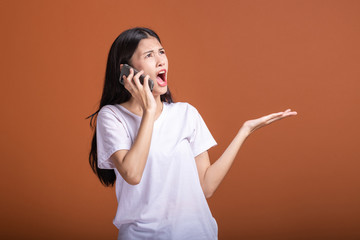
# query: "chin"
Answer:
x=159 y=90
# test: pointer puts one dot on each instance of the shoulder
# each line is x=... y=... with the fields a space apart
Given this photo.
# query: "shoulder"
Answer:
x=109 y=114
x=107 y=109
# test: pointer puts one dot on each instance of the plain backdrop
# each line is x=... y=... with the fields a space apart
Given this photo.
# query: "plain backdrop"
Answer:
x=233 y=60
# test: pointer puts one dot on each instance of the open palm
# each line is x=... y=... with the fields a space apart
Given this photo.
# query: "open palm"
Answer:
x=252 y=125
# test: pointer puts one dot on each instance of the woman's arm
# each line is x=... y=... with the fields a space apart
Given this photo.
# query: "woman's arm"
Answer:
x=131 y=163
x=211 y=175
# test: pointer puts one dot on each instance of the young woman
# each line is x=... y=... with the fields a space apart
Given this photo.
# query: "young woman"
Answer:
x=156 y=150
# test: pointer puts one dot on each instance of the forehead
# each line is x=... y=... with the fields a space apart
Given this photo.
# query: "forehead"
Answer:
x=148 y=44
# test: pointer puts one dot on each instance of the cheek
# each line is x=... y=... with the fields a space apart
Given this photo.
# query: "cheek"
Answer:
x=148 y=66
x=148 y=70
x=165 y=60
x=140 y=66
x=138 y=63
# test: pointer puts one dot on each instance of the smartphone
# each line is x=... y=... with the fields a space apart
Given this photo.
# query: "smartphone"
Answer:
x=125 y=70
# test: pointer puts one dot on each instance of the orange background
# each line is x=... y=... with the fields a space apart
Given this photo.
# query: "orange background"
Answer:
x=233 y=60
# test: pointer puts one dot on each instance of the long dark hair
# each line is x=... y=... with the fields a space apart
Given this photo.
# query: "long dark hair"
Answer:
x=120 y=52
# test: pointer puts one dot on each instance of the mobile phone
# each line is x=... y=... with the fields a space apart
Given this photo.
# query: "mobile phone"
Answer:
x=125 y=70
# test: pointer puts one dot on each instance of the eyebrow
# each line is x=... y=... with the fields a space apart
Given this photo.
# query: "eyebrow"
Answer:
x=150 y=51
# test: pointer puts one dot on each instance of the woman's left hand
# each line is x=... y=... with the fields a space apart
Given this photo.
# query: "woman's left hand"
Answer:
x=252 y=125
x=211 y=175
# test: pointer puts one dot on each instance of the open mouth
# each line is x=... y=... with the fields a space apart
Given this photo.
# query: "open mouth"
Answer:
x=161 y=78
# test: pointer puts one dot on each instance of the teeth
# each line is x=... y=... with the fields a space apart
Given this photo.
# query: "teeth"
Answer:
x=161 y=72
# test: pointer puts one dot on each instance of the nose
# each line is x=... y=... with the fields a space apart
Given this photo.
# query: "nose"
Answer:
x=160 y=61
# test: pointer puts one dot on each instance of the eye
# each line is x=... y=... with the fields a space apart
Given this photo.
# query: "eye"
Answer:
x=148 y=55
x=162 y=51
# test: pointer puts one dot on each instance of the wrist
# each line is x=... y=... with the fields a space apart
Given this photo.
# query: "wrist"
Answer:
x=149 y=112
x=245 y=131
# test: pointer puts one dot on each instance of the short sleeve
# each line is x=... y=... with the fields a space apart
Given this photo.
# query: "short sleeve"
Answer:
x=201 y=139
x=111 y=136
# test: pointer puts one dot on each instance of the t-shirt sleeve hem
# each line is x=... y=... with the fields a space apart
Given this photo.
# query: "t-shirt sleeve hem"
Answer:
x=204 y=147
x=104 y=161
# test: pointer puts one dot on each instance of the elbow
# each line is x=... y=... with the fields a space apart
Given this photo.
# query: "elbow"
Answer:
x=131 y=175
x=208 y=190
x=132 y=179
x=207 y=196
x=208 y=193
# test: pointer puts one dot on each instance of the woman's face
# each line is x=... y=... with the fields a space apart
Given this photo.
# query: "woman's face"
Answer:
x=150 y=56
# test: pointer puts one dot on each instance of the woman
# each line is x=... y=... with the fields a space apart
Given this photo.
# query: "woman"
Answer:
x=156 y=150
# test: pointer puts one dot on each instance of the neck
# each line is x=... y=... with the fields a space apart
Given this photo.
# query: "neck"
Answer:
x=133 y=106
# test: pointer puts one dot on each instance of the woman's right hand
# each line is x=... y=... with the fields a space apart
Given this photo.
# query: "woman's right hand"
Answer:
x=140 y=92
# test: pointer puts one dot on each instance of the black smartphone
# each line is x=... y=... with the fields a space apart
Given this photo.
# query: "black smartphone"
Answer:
x=125 y=70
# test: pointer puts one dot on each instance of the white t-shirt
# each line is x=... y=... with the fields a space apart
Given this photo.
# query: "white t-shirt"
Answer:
x=168 y=203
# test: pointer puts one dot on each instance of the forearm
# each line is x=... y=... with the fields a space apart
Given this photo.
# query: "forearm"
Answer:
x=131 y=166
x=216 y=172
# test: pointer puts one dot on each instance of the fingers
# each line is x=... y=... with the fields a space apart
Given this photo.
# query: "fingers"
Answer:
x=136 y=80
x=287 y=112
x=276 y=116
x=146 y=83
x=128 y=80
x=273 y=116
x=255 y=124
x=280 y=115
x=137 y=84
x=132 y=81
